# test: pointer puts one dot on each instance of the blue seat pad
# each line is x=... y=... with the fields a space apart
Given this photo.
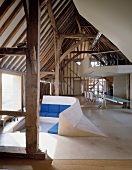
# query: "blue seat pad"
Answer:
x=44 y=107
x=53 y=108
x=43 y=113
x=52 y=115
x=63 y=107
x=54 y=129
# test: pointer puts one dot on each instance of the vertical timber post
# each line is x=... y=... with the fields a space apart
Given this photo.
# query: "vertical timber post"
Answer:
x=33 y=77
x=0 y=90
x=58 y=43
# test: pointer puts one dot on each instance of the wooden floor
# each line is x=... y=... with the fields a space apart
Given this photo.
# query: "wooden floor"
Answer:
x=13 y=164
x=69 y=164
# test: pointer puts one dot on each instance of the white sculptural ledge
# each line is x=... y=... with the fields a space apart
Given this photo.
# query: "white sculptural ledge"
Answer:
x=72 y=121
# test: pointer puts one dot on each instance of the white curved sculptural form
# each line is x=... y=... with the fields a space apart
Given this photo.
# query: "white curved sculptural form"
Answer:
x=72 y=121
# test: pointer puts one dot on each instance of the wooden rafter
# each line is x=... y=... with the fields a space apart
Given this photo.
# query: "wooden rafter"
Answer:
x=21 y=22
x=96 y=40
x=51 y=15
x=72 y=36
x=10 y=18
x=13 y=113
x=78 y=24
x=12 y=51
x=48 y=48
x=71 y=59
x=95 y=52
x=5 y=6
x=15 y=62
x=20 y=64
x=46 y=58
x=26 y=9
x=43 y=74
x=57 y=46
x=71 y=48
x=19 y=38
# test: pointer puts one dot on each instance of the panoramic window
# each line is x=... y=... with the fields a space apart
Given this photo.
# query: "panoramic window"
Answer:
x=11 y=92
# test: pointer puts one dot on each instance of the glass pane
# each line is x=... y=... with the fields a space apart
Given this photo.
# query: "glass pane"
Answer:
x=11 y=92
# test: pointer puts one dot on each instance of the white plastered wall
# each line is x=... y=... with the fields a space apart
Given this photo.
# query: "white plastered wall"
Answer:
x=112 y=18
x=131 y=90
x=120 y=86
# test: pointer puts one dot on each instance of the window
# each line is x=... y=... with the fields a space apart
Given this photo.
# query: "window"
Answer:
x=11 y=92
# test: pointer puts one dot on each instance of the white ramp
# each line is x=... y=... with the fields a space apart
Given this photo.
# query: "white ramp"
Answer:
x=72 y=121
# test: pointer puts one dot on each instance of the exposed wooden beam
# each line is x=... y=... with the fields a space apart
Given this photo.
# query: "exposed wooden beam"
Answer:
x=12 y=34
x=42 y=3
x=105 y=52
x=78 y=24
x=51 y=15
x=95 y=52
x=71 y=59
x=71 y=48
x=26 y=9
x=13 y=113
x=46 y=58
x=5 y=6
x=20 y=38
x=10 y=18
x=20 y=64
x=57 y=46
x=72 y=36
x=57 y=64
x=15 y=62
x=82 y=52
x=44 y=73
x=12 y=51
x=96 y=40
x=33 y=78
x=73 y=72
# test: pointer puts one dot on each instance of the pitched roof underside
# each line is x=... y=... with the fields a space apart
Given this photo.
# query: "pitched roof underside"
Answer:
x=13 y=32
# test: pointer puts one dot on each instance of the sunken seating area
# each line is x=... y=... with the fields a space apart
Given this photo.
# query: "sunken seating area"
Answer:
x=52 y=110
x=71 y=121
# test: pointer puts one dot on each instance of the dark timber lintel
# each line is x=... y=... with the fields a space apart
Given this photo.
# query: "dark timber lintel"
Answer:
x=12 y=51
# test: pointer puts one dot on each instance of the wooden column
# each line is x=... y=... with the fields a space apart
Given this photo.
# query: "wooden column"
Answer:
x=57 y=46
x=23 y=91
x=128 y=89
x=0 y=90
x=58 y=43
x=57 y=62
x=50 y=87
x=33 y=77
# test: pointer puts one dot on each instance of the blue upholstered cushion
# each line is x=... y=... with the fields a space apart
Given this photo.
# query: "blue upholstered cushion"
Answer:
x=53 y=108
x=44 y=107
x=52 y=115
x=54 y=129
x=63 y=107
x=43 y=113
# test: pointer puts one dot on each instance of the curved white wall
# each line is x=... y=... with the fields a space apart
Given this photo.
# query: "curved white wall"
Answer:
x=58 y=100
x=113 y=18
x=72 y=122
